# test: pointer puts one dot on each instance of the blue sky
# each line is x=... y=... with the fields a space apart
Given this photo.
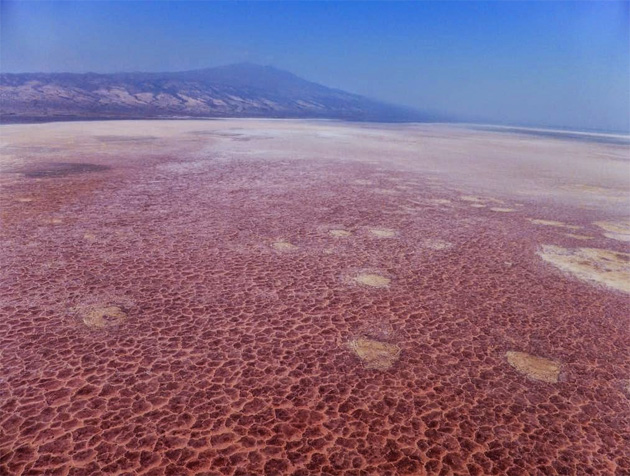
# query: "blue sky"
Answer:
x=530 y=63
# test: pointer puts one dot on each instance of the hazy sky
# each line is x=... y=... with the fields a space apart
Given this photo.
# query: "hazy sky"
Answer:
x=532 y=63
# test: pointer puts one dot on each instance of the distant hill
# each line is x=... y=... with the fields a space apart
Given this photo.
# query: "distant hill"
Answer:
x=240 y=90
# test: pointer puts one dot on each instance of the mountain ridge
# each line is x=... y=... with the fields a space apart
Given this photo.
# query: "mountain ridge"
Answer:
x=237 y=90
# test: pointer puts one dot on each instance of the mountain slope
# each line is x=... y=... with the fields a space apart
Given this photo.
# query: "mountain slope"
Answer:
x=241 y=90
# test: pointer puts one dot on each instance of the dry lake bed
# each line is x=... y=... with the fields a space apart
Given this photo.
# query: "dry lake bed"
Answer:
x=245 y=297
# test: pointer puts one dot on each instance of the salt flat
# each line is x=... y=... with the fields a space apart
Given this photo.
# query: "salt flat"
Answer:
x=306 y=297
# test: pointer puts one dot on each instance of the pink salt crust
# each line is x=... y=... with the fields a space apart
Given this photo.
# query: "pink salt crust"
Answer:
x=234 y=356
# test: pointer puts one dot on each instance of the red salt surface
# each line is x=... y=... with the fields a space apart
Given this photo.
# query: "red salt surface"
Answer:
x=233 y=358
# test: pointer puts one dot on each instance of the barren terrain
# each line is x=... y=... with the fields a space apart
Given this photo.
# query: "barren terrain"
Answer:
x=309 y=297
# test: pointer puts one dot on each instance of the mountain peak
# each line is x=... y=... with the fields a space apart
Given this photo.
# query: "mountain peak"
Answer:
x=245 y=65
x=233 y=90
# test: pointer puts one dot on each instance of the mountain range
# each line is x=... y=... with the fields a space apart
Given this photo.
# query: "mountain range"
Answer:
x=239 y=90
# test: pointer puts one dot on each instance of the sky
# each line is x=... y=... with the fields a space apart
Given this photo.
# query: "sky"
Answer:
x=536 y=63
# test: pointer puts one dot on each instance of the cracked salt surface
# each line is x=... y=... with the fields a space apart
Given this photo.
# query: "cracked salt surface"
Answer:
x=190 y=319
